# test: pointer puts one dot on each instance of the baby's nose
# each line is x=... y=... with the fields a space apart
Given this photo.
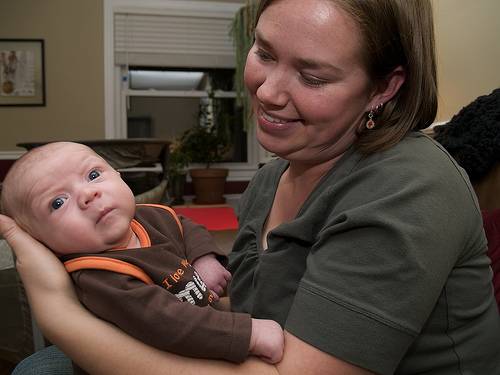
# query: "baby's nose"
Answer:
x=88 y=196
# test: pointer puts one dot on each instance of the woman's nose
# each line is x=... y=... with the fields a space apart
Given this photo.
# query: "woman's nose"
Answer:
x=274 y=89
x=87 y=196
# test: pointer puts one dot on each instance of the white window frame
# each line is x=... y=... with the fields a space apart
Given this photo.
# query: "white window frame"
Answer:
x=117 y=91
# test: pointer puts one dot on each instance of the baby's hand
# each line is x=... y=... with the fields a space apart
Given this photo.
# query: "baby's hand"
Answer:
x=267 y=340
x=213 y=274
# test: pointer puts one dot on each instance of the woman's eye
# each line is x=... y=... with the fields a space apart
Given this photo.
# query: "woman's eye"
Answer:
x=57 y=204
x=262 y=55
x=312 y=81
x=93 y=175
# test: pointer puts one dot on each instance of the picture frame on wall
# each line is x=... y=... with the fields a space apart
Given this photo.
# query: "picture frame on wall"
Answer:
x=22 y=72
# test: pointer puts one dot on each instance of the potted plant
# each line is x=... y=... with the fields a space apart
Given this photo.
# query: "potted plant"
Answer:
x=206 y=143
x=177 y=173
x=241 y=31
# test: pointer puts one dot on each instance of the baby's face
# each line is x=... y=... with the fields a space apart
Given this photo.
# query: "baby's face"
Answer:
x=78 y=203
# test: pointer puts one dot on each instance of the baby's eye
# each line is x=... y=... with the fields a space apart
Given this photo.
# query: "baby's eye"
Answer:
x=93 y=175
x=57 y=204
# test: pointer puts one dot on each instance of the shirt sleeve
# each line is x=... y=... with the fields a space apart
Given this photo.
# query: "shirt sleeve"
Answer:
x=380 y=261
x=156 y=317
x=199 y=242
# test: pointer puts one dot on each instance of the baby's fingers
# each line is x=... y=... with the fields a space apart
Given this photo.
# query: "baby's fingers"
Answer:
x=216 y=296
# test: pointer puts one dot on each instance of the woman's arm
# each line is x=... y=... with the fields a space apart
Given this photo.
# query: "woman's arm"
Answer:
x=67 y=324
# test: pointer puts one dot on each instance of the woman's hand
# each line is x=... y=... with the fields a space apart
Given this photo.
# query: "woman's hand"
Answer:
x=40 y=270
x=48 y=285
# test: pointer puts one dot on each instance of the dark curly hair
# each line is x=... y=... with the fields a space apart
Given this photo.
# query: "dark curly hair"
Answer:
x=472 y=136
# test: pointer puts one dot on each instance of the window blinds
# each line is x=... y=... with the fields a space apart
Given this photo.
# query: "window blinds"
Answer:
x=173 y=41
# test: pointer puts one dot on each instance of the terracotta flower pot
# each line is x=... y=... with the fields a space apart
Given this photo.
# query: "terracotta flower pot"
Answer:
x=209 y=185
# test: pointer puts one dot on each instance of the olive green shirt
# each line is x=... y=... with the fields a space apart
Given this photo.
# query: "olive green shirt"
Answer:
x=384 y=266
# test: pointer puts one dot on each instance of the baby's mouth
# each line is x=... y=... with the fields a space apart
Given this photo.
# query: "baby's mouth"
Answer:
x=104 y=213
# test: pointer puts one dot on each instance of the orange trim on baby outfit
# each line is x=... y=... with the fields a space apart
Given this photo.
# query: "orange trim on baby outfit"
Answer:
x=168 y=209
x=140 y=233
x=107 y=264
x=119 y=266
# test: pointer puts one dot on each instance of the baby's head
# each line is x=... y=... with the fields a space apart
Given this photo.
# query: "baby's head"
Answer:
x=69 y=198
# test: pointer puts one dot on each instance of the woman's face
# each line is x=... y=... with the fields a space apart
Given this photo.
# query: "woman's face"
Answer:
x=309 y=89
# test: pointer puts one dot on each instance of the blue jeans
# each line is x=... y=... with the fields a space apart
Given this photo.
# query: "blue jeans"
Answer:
x=48 y=361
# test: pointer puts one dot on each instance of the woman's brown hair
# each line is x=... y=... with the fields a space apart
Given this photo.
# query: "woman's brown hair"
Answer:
x=394 y=33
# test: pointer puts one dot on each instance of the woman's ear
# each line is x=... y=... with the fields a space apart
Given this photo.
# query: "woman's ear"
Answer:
x=388 y=87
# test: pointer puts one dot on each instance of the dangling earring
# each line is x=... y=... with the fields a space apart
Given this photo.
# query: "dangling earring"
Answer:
x=370 y=123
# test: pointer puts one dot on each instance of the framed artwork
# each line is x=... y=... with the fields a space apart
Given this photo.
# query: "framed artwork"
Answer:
x=22 y=74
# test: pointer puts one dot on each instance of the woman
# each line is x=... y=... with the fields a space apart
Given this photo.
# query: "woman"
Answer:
x=351 y=239
x=472 y=136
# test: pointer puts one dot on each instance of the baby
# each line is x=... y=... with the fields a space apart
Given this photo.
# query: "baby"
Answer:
x=133 y=265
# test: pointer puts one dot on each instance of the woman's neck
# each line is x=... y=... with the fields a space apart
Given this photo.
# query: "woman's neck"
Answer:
x=294 y=187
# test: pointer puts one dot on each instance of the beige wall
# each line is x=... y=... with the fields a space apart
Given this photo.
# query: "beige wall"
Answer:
x=467 y=39
x=74 y=70
x=468 y=45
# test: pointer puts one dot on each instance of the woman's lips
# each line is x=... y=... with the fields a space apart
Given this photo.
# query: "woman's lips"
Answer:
x=273 y=119
x=271 y=123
